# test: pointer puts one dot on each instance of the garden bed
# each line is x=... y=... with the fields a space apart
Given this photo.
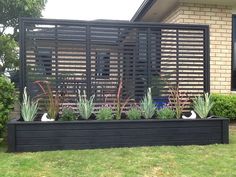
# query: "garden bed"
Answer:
x=42 y=136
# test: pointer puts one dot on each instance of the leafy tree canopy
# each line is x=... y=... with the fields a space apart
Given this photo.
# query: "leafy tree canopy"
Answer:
x=11 y=10
x=8 y=53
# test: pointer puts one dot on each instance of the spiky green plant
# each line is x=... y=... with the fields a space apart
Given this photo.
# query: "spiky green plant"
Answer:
x=203 y=105
x=148 y=108
x=85 y=106
x=28 y=108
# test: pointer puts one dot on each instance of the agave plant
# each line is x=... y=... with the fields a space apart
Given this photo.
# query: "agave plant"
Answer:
x=28 y=108
x=85 y=106
x=147 y=106
x=203 y=105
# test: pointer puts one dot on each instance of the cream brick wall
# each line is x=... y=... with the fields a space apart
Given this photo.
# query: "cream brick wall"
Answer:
x=219 y=18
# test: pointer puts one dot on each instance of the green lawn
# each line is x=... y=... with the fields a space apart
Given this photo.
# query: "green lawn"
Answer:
x=186 y=161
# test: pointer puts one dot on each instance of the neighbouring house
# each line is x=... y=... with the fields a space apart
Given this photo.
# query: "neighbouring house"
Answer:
x=219 y=15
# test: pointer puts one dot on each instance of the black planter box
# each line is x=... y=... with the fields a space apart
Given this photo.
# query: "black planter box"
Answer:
x=42 y=136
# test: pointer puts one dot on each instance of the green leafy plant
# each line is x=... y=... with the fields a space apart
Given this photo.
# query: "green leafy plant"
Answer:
x=52 y=100
x=29 y=108
x=224 y=106
x=85 y=105
x=178 y=100
x=165 y=113
x=134 y=114
x=68 y=114
x=7 y=99
x=203 y=105
x=148 y=108
x=105 y=113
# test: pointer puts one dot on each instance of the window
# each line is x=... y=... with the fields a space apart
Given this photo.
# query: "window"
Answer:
x=102 y=64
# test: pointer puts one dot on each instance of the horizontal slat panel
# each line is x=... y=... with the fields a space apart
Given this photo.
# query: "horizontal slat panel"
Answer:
x=23 y=148
x=24 y=135
x=97 y=55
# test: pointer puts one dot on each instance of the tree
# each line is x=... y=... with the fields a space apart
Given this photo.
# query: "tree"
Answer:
x=8 y=53
x=11 y=10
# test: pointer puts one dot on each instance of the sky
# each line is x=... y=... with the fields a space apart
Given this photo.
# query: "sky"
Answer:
x=91 y=9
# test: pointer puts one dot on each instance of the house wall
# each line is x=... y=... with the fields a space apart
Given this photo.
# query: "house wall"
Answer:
x=219 y=18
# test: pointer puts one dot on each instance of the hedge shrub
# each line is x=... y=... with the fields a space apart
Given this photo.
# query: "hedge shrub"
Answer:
x=7 y=99
x=224 y=106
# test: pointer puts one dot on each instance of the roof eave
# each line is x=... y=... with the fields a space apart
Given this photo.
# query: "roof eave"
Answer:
x=142 y=10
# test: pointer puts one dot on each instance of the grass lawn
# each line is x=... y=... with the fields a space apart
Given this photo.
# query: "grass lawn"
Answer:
x=186 y=161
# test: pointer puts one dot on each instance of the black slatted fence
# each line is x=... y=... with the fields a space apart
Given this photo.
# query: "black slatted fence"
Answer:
x=96 y=56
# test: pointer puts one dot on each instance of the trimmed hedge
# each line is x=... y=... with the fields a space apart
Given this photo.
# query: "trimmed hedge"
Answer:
x=225 y=106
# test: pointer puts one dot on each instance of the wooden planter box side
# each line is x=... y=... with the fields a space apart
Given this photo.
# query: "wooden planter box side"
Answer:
x=41 y=136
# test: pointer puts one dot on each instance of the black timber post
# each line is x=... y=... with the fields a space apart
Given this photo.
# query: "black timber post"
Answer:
x=206 y=60
x=225 y=131
x=56 y=58
x=177 y=58
x=22 y=57
x=149 y=76
x=88 y=61
x=11 y=137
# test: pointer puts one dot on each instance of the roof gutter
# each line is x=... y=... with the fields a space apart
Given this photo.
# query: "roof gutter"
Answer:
x=142 y=10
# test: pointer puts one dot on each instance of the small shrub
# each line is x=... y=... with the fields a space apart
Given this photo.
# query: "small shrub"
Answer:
x=85 y=105
x=203 y=105
x=104 y=113
x=165 y=113
x=68 y=114
x=225 y=106
x=7 y=99
x=29 y=108
x=134 y=114
x=147 y=106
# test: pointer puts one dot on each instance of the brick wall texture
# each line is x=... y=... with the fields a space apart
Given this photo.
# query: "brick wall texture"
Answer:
x=219 y=18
